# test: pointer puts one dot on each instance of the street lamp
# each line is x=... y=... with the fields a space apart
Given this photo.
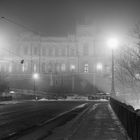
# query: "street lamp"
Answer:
x=73 y=81
x=35 y=77
x=113 y=44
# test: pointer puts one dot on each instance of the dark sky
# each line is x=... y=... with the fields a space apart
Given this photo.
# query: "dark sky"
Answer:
x=59 y=17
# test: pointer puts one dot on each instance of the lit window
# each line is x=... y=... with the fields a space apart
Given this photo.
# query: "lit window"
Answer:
x=72 y=67
x=86 y=68
x=99 y=66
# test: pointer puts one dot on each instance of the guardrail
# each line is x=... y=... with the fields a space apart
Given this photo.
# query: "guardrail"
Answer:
x=129 y=118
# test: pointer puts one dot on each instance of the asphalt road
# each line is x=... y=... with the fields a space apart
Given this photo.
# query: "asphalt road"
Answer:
x=17 y=117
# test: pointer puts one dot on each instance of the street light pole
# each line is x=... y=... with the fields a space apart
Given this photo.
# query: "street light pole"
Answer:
x=73 y=79
x=112 y=81
x=113 y=44
x=34 y=89
x=35 y=77
x=73 y=83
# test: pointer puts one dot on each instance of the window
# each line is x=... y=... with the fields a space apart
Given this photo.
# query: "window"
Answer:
x=23 y=68
x=85 y=49
x=63 y=67
x=25 y=50
x=43 y=67
x=44 y=51
x=10 y=68
x=86 y=68
x=72 y=67
x=35 y=51
x=72 y=52
x=57 y=67
x=63 y=52
x=35 y=69
x=50 y=51
x=50 y=67
x=56 y=51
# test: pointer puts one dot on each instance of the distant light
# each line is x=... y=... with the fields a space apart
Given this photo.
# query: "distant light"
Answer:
x=35 y=75
x=72 y=67
x=99 y=66
x=12 y=92
x=112 y=43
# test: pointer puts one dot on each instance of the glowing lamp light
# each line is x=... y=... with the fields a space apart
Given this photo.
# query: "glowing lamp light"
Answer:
x=113 y=43
x=35 y=75
x=72 y=67
x=99 y=66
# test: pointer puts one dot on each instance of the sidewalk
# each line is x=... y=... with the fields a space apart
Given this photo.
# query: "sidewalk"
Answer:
x=100 y=123
x=13 y=102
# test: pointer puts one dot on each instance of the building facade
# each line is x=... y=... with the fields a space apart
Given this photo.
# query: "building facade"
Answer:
x=74 y=63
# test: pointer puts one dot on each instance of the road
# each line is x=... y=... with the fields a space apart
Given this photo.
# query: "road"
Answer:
x=20 y=116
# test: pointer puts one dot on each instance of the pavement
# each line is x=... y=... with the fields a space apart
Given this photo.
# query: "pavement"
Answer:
x=99 y=123
x=13 y=102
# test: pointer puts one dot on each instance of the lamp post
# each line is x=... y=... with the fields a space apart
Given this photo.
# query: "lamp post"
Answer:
x=113 y=44
x=73 y=80
x=35 y=77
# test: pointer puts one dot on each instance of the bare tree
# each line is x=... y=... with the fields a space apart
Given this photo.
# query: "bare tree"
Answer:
x=128 y=61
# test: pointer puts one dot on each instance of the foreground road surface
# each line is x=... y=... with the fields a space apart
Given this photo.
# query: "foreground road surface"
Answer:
x=20 y=116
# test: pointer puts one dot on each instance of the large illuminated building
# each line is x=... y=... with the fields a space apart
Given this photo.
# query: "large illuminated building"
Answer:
x=73 y=63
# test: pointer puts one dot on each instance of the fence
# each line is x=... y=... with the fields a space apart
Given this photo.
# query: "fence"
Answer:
x=129 y=118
